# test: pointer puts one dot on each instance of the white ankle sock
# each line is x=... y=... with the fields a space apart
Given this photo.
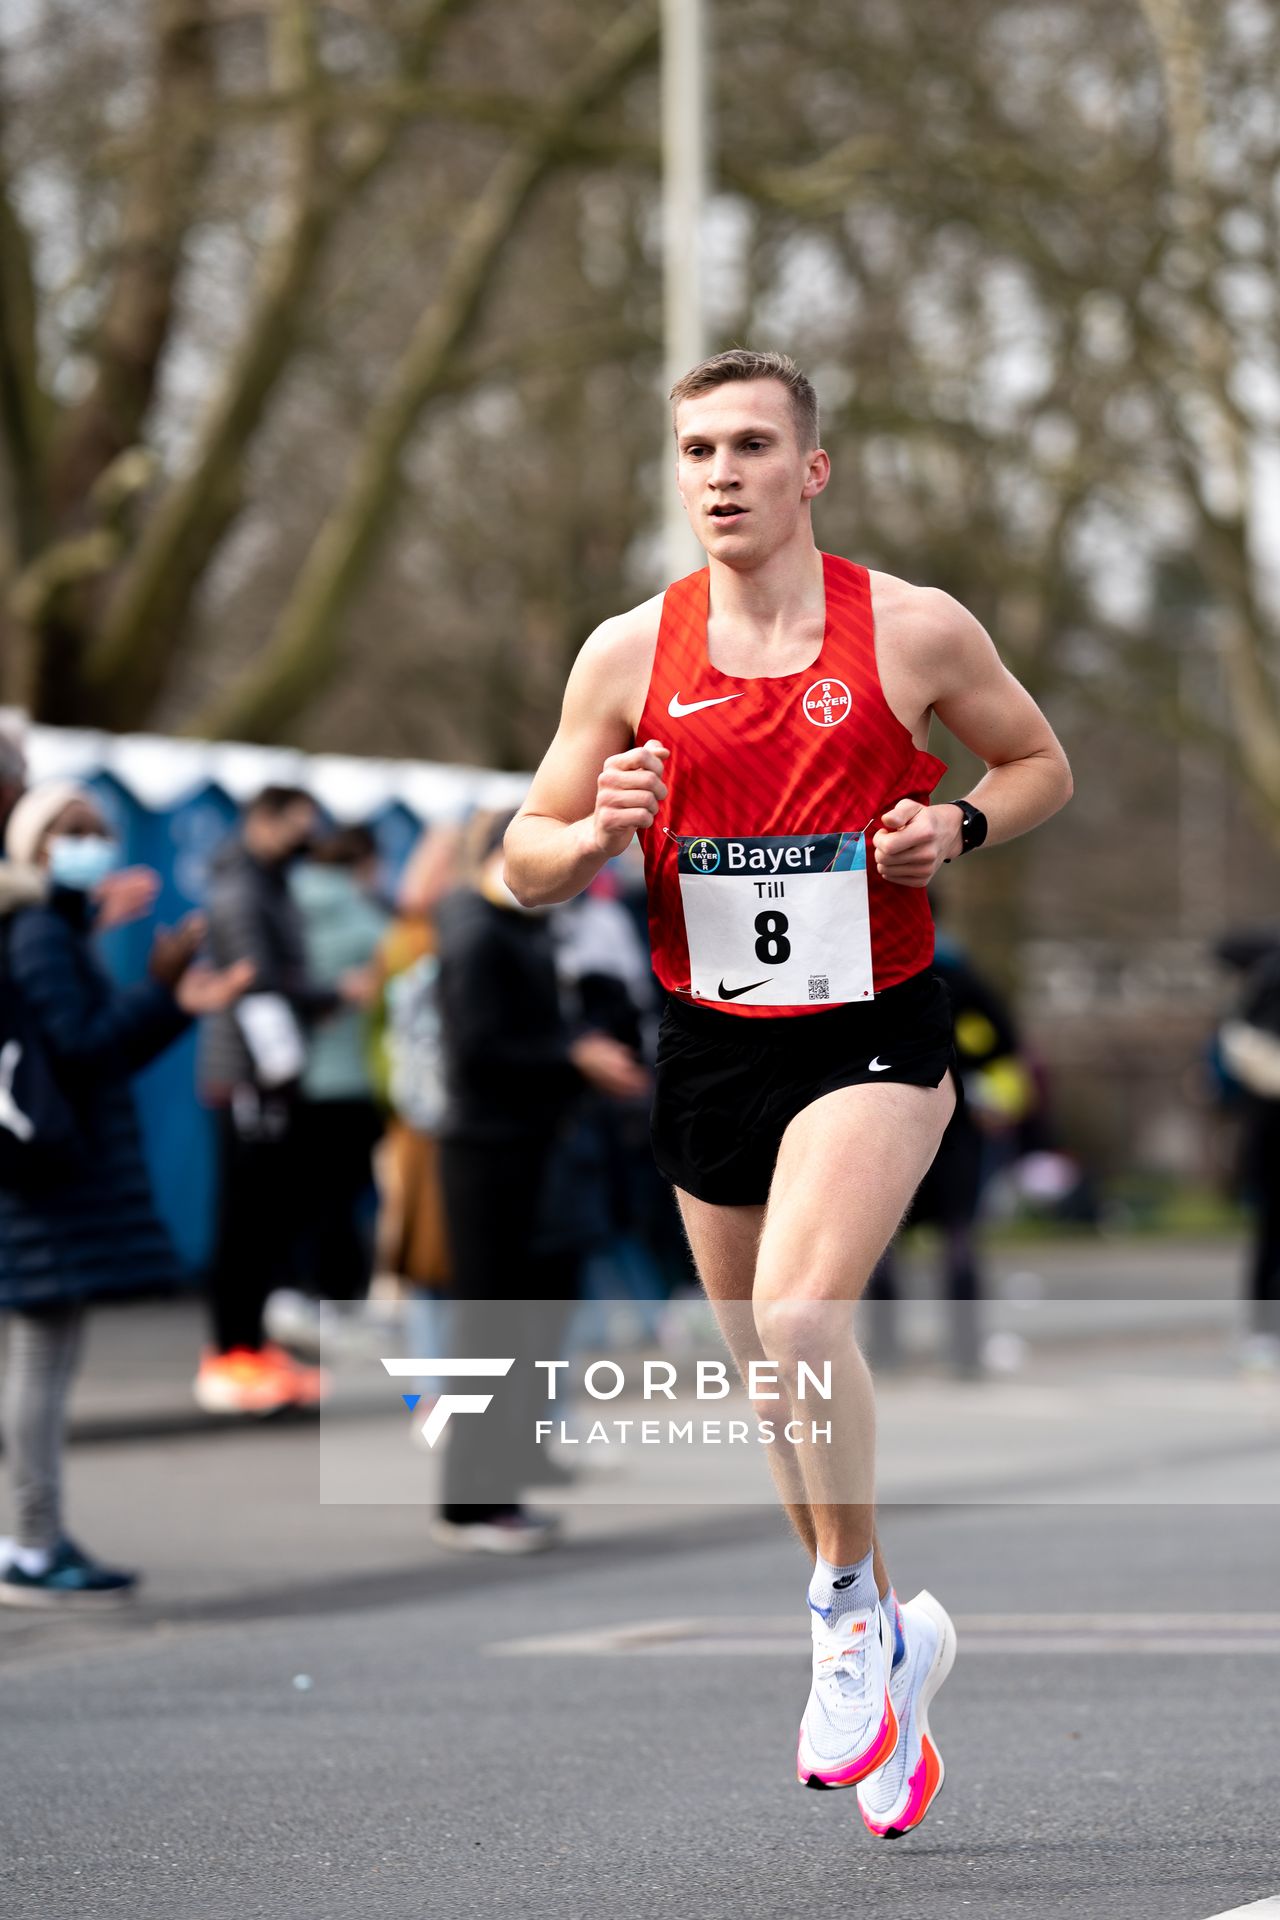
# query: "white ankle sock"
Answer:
x=834 y=1590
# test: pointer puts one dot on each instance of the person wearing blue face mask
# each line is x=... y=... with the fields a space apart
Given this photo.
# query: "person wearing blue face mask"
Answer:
x=82 y=861
x=91 y=1233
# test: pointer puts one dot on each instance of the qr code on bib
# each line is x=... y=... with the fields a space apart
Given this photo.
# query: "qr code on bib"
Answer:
x=819 y=988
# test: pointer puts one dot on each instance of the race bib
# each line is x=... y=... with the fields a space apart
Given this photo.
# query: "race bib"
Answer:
x=777 y=922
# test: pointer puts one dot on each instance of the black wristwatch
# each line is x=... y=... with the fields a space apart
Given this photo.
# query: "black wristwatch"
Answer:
x=973 y=827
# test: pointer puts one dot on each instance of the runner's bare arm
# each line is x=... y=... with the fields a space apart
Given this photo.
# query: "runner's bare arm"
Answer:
x=964 y=680
x=594 y=788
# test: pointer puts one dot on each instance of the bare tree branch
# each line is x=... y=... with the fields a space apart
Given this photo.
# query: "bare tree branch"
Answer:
x=143 y=624
x=512 y=359
x=67 y=563
x=133 y=331
x=1204 y=368
x=24 y=407
x=303 y=649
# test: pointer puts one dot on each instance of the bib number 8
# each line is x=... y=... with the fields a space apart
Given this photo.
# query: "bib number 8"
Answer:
x=772 y=947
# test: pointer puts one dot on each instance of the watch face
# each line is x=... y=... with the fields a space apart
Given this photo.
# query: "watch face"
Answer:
x=973 y=831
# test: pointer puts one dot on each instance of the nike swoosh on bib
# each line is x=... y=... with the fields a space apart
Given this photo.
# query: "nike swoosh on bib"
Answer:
x=677 y=710
x=735 y=993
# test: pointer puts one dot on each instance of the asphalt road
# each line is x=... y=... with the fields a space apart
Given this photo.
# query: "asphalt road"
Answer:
x=312 y=1713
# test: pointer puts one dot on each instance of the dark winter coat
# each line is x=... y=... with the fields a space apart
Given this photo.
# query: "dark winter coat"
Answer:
x=508 y=1074
x=253 y=916
x=95 y=1233
x=509 y=1077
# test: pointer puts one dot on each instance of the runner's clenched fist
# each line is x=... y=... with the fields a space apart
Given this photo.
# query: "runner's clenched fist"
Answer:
x=914 y=840
x=628 y=794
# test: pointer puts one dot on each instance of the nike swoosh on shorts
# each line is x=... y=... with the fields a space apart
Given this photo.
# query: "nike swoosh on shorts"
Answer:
x=878 y=1065
x=677 y=710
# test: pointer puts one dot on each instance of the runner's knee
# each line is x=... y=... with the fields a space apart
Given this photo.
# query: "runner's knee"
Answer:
x=793 y=1330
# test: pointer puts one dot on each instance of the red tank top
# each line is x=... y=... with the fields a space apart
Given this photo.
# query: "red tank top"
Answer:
x=764 y=898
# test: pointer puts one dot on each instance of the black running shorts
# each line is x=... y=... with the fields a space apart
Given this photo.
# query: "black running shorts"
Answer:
x=727 y=1088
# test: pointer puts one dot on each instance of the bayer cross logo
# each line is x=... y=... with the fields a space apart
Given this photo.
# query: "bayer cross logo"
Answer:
x=827 y=703
x=704 y=855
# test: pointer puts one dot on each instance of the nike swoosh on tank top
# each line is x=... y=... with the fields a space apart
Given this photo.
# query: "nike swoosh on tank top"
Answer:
x=764 y=899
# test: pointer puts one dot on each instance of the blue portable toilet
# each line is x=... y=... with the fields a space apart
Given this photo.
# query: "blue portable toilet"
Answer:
x=177 y=1133
x=397 y=831
x=177 y=1130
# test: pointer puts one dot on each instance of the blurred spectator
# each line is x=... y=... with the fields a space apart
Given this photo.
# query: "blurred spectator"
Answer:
x=84 y=1228
x=252 y=1061
x=998 y=1093
x=124 y=894
x=603 y=960
x=411 y=1237
x=22 y=883
x=656 y=1215
x=514 y=1073
x=13 y=776
x=410 y=1063
x=337 y=1121
x=599 y=950
x=1249 y=1045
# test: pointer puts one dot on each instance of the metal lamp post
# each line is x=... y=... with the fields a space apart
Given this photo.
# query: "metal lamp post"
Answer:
x=684 y=180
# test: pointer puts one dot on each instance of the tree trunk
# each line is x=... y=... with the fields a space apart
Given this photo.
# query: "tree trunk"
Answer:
x=303 y=651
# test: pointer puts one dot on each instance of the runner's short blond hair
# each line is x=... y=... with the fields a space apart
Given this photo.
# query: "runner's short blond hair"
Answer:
x=740 y=363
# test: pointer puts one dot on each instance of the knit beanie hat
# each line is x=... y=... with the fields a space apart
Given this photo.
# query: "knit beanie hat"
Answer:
x=35 y=813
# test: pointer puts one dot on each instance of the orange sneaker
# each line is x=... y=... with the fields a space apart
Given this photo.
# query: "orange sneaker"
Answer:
x=242 y=1381
x=306 y=1386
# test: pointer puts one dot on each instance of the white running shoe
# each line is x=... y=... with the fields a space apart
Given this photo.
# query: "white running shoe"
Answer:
x=898 y=1795
x=849 y=1726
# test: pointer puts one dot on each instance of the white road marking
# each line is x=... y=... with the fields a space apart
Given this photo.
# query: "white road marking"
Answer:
x=1260 y=1910
x=991 y=1633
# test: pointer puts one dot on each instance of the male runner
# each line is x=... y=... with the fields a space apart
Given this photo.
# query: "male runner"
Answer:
x=752 y=724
